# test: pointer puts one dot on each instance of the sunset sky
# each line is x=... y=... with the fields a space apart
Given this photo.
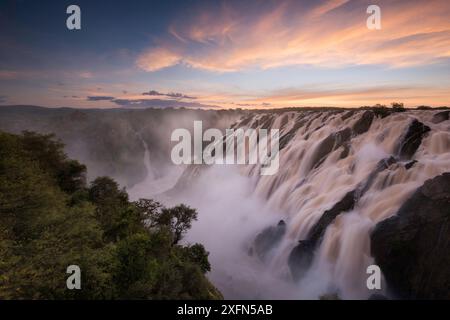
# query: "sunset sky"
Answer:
x=229 y=54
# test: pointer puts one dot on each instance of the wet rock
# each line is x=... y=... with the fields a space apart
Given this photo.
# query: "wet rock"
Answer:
x=345 y=204
x=363 y=124
x=300 y=258
x=268 y=239
x=348 y=114
x=410 y=164
x=245 y=121
x=330 y=143
x=412 y=248
x=441 y=116
x=381 y=166
x=286 y=138
x=345 y=151
x=413 y=138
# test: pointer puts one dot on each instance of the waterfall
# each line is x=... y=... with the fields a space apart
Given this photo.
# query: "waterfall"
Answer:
x=377 y=161
x=151 y=185
x=328 y=154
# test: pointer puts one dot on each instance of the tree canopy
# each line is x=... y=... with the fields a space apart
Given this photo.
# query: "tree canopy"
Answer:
x=51 y=218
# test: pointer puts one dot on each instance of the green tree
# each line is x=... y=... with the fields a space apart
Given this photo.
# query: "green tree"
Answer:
x=50 y=219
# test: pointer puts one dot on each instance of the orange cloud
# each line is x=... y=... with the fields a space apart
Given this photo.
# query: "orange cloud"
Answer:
x=327 y=34
x=158 y=58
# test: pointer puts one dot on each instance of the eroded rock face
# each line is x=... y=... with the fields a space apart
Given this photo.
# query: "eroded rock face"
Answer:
x=330 y=143
x=441 y=116
x=268 y=239
x=413 y=138
x=347 y=203
x=363 y=124
x=300 y=258
x=412 y=248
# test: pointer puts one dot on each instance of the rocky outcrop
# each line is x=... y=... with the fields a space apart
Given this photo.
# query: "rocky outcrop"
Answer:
x=330 y=143
x=300 y=258
x=268 y=239
x=441 y=116
x=412 y=248
x=410 y=164
x=341 y=139
x=363 y=124
x=345 y=204
x=412 y=139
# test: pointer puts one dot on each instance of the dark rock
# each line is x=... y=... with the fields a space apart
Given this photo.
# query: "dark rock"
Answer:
x=245 y=121
x=345 y=204
x=268 y=239
x=286 y=138
x=441 y=116
x=300 y=258
x=284 y=121
x=381 y=166
x=345 y=151
x=410 y=164
x=348 y=114
x=330 y=143
x=363 y=124
x=413 y=247
x=412 y=140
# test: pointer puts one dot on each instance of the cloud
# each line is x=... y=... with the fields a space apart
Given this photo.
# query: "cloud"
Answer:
x=2 y=99
x=159 y=103
x=158 y=58
x=100 y=98
x=322 y=33
x=170 y=95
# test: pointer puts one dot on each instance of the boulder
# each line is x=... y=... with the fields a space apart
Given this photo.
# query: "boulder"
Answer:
x=363 y=124
x=330 y=143
x=268 y=239
x=412 y=247
x=412 y=139
x=410 y=164
x=345 y=204
x=441 y=116
x=300 y=258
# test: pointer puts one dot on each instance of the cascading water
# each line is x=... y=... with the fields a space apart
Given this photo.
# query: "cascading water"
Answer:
x=357 y=167
x=151 y=185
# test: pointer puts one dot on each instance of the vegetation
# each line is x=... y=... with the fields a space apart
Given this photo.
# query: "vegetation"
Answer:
x=398 y=106
x=50 y=219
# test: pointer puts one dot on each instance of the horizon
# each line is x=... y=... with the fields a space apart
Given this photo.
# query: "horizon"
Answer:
x=224 y=54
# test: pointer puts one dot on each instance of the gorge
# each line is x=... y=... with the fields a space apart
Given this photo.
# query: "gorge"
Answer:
x=354 y=188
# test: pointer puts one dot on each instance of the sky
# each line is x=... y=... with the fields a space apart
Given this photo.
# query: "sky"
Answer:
x=224 y=54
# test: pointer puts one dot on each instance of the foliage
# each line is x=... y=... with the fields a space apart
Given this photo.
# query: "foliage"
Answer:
x=398 y=106
x=50 y=219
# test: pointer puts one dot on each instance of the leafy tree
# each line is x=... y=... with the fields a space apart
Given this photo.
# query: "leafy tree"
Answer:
x=50 y=219
x=179 y=219
x=398 y=106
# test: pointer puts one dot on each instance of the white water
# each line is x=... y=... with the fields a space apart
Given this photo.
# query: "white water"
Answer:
x=344 y=254
x=151 y=186
x=233 y=207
